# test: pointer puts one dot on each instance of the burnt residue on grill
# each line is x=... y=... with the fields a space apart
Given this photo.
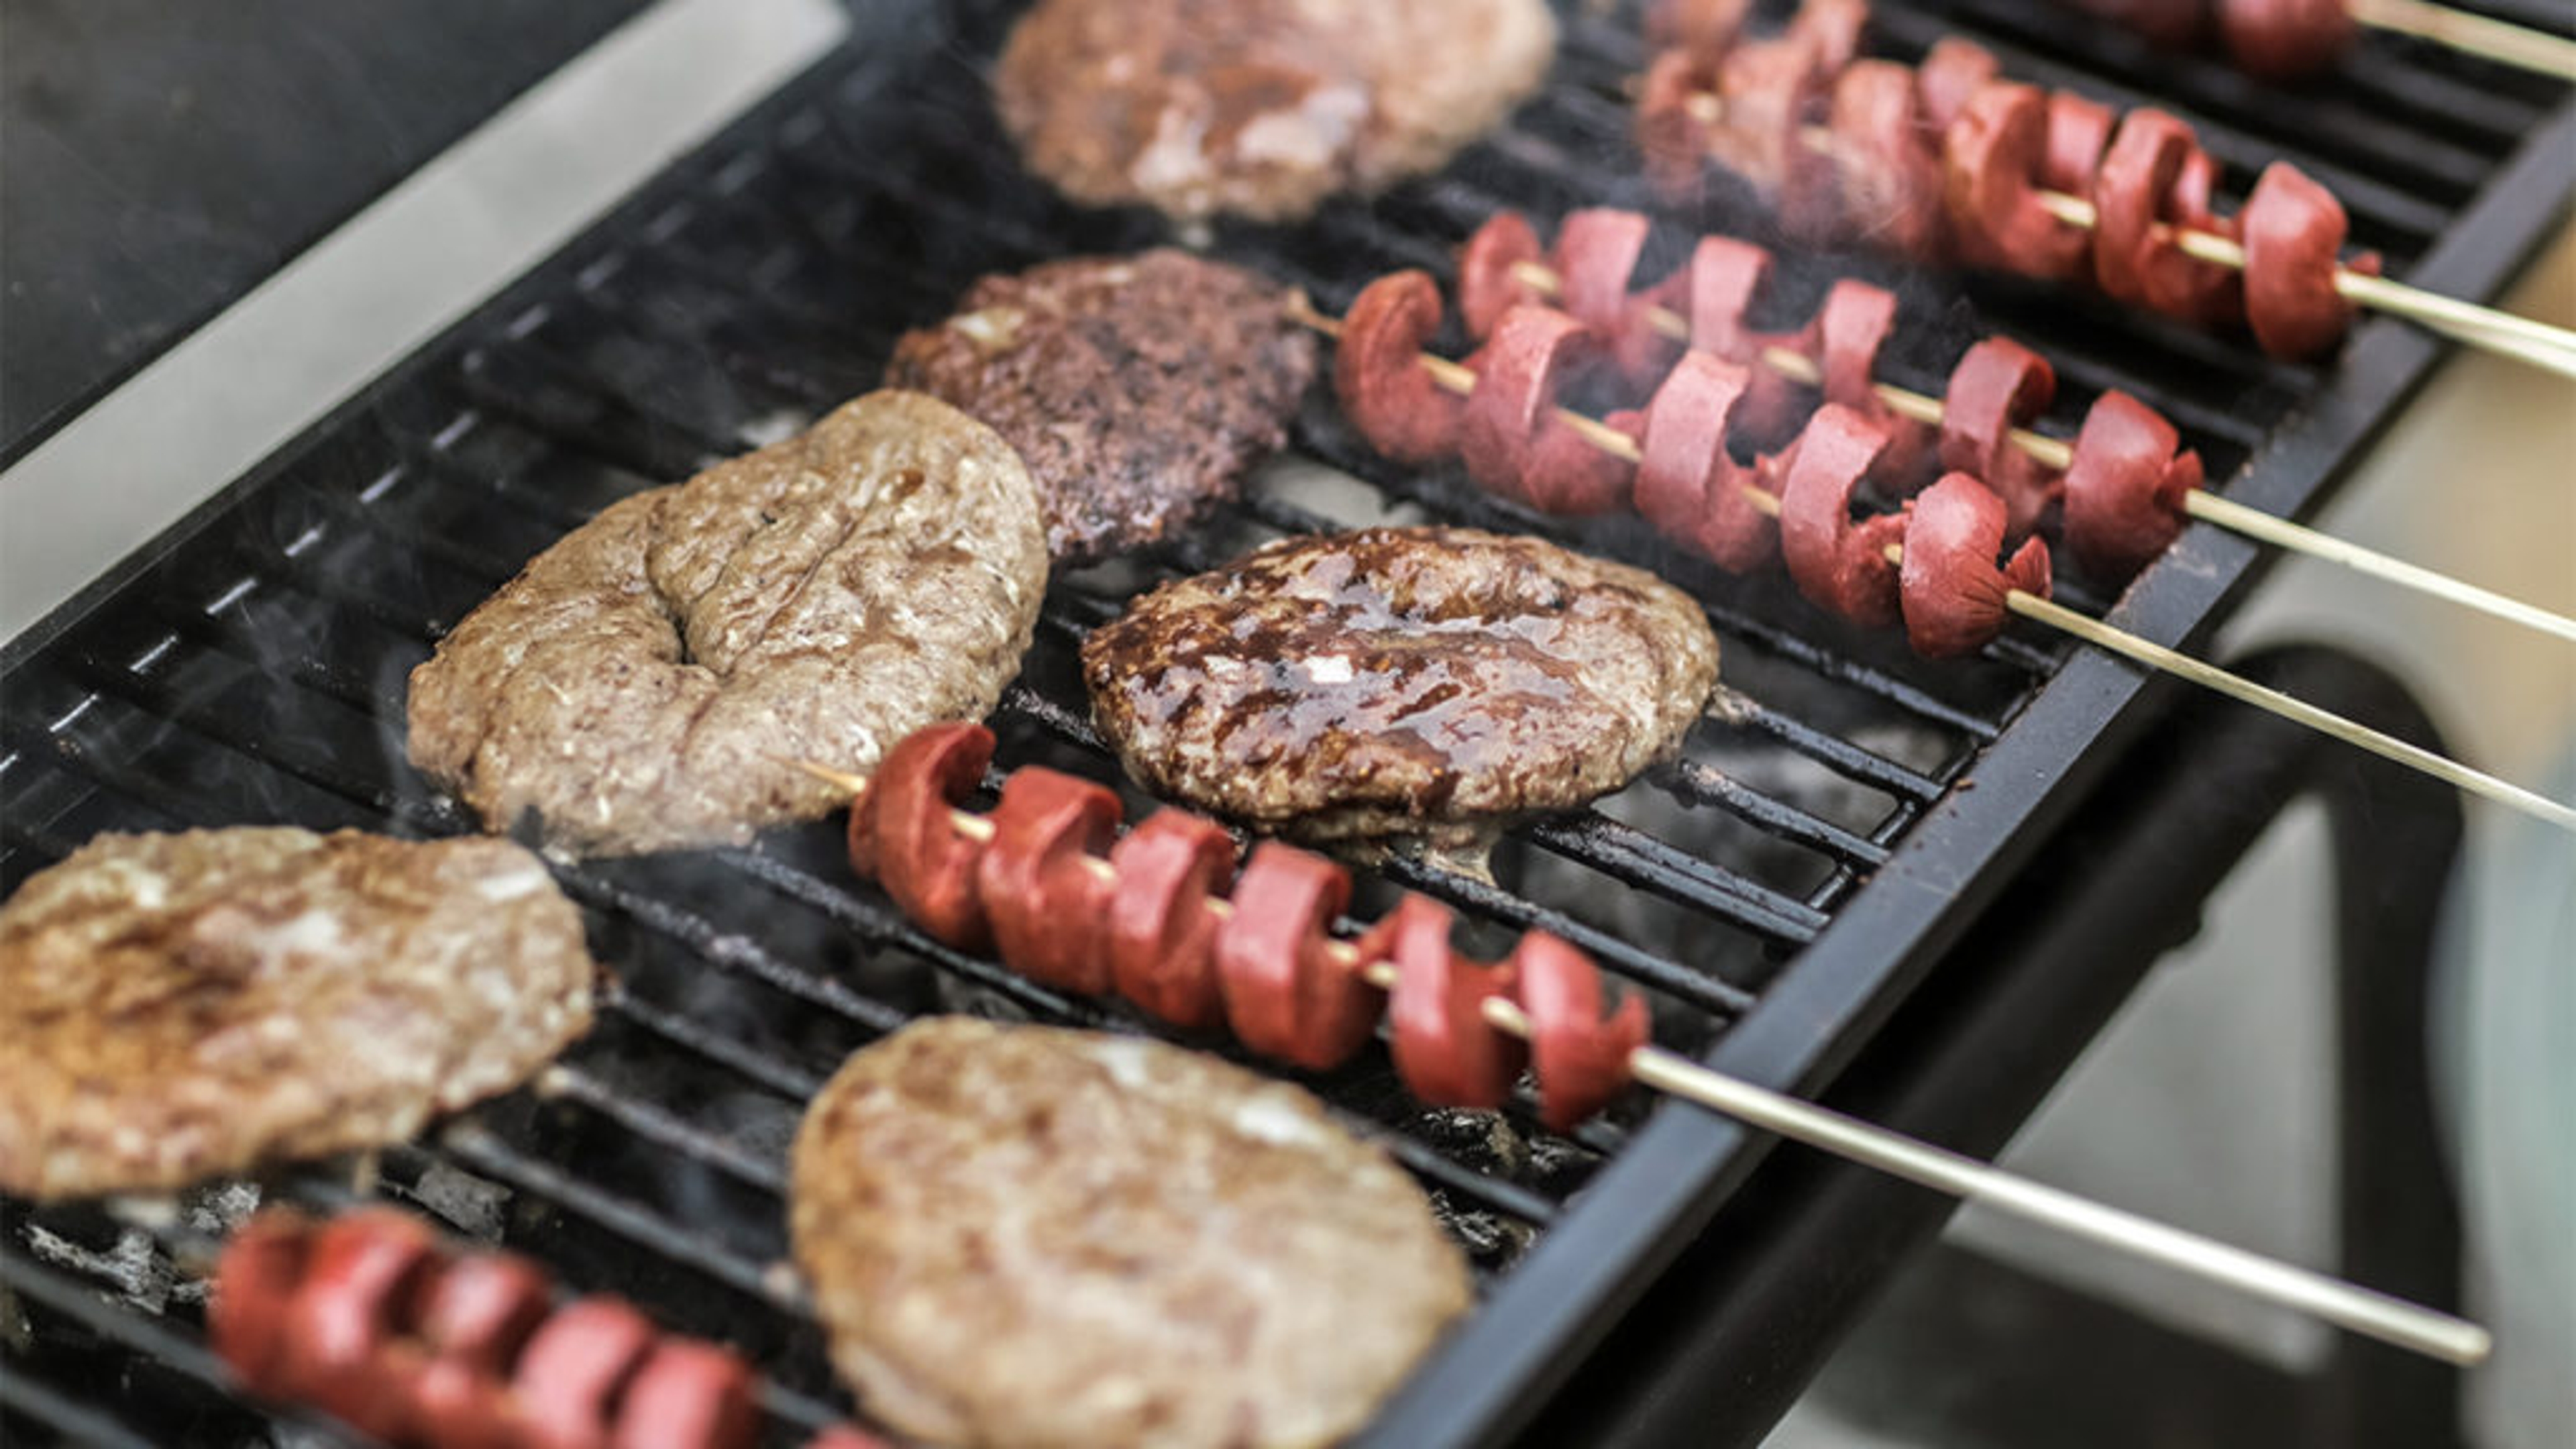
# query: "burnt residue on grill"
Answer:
x=253 y=672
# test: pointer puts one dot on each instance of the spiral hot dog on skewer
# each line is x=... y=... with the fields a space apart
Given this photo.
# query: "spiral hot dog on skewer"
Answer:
x=2133 y=506
x=371 y=1318
x=1952 y=160
x=1144 y=919
x=1685 y=482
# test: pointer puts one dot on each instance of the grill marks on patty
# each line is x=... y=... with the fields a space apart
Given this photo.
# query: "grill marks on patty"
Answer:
x=1019 y=1235
x=1259 y=108
x=177 y=1007
x=644 y=684
x=1138 y=390
x=1411 y=683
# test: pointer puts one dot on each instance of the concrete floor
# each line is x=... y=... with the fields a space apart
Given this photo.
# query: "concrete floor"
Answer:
x=2202 y=1105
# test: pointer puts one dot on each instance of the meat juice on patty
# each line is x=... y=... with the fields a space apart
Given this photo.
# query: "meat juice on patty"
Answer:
x=1400 y=684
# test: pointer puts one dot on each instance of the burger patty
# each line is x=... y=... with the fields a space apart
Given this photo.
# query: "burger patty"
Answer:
x=1400 y=682
x=1259 y=108
x=649 y=681
x=1137 y=389
x=1020 y=1235
x=177 y=1007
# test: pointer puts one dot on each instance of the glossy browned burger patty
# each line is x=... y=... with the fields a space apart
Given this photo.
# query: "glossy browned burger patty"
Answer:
x=1019 y=1235
x=1137 y=389
x=1404 y=682
x=648 y=682
x=177 y=1007
x=1260 y=108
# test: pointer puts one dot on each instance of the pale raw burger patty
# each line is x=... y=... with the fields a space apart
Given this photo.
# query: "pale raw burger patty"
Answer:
x=1260 y=108
x=1022 y=1236
x=649 y=681
x=1416 y=683
x=178 y=1007
x=1139 y=389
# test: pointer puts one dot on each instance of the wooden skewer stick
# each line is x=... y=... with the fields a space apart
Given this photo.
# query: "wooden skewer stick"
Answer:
x=2200 y=503
x=2363 y=1310
x=2520 y=338
x=2479 y=35
x=1460 y=380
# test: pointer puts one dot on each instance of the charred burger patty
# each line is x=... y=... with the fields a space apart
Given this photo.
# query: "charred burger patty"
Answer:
x=1019 y=1235
x=1137 y=389
x=177 y=1007
x=1424 y=682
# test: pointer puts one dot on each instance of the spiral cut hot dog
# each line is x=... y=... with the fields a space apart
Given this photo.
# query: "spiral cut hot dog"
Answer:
x=1065 y=904
x=1949 y=161
x=2273 y=39
x=2123 y=495
x=1689 y=485
x=371 y=1318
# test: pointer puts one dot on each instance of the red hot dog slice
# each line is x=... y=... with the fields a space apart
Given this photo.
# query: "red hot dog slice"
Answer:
x=1488 y=285
x=1952 y=71
x=254 y=1290
x=1953 y=593
x=1597 y=249
x=1162 y=936
x=688 y=1395
x=1998 y=386
x=2294 y=232
x=1992 y=169
x=1890 y=176
x=1672 y=135
x=1579 y=1055
x=1378 y=374
x=1851 y=327
x=2079 y=130
x=1688 y=486
x=1448 y=1053
x=2286 y=39
x=1706 y=28
x=1830 y=30
x=1517 y=376
x=568 y=1383
x=480 y=1315
x=1285 y=995
x=1041 y=896
x=2155 y=179
x=1725 y=277
x=1771 y=88
x=902 y=837
x=2124 y=491
x=1569 y=473
x=360 y=1292
x=1840 y=565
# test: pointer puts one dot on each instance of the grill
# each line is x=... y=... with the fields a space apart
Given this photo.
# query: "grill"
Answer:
x=1779 y=890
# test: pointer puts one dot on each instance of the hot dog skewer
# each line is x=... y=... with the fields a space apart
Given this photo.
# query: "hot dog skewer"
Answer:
x=371 y=1318
x=2289 y=39
x=1948 y=157
x=1146 y=920
x=1514 y=247
x=2480 y=35
x=1957 y=516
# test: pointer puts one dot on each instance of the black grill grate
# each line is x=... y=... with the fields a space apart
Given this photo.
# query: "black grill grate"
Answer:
x=1777 y=890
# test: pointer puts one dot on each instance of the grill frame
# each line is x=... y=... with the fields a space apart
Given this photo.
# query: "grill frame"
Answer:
x=1881 y=942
